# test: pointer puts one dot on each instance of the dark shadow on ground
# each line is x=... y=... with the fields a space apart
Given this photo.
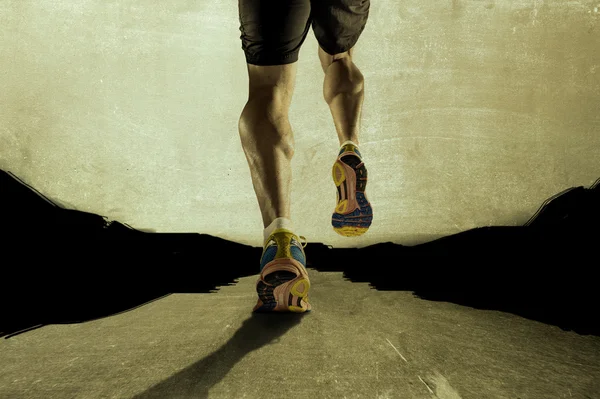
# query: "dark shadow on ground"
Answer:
x=196 y=380
x=66 y=266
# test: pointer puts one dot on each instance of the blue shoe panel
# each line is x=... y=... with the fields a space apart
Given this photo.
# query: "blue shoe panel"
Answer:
x=343 y=150
x=271 y=252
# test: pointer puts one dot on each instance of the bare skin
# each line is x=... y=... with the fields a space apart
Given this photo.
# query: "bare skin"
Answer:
x=265 y=130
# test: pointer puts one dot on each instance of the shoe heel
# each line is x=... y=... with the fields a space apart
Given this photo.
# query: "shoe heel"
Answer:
x=339 y=174
x=265 y=289
x=303 y=295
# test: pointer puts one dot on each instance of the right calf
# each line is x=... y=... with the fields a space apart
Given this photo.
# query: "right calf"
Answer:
x=342 y=76
x=343 y=90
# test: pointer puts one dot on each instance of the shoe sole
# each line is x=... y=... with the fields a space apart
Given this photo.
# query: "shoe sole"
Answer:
x=353 y=213
x=283 y=289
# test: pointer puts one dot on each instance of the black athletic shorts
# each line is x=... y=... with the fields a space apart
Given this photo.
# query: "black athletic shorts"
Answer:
x=274 y=30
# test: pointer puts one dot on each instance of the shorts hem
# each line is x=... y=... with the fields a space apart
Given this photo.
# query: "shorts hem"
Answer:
x=282 y=60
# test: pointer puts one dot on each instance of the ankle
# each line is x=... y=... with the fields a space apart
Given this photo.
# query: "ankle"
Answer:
x=354 y=142
x=278 y=223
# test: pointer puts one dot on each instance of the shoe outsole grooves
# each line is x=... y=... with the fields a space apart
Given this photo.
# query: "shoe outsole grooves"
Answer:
x=273 y=280
x=357 y=222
